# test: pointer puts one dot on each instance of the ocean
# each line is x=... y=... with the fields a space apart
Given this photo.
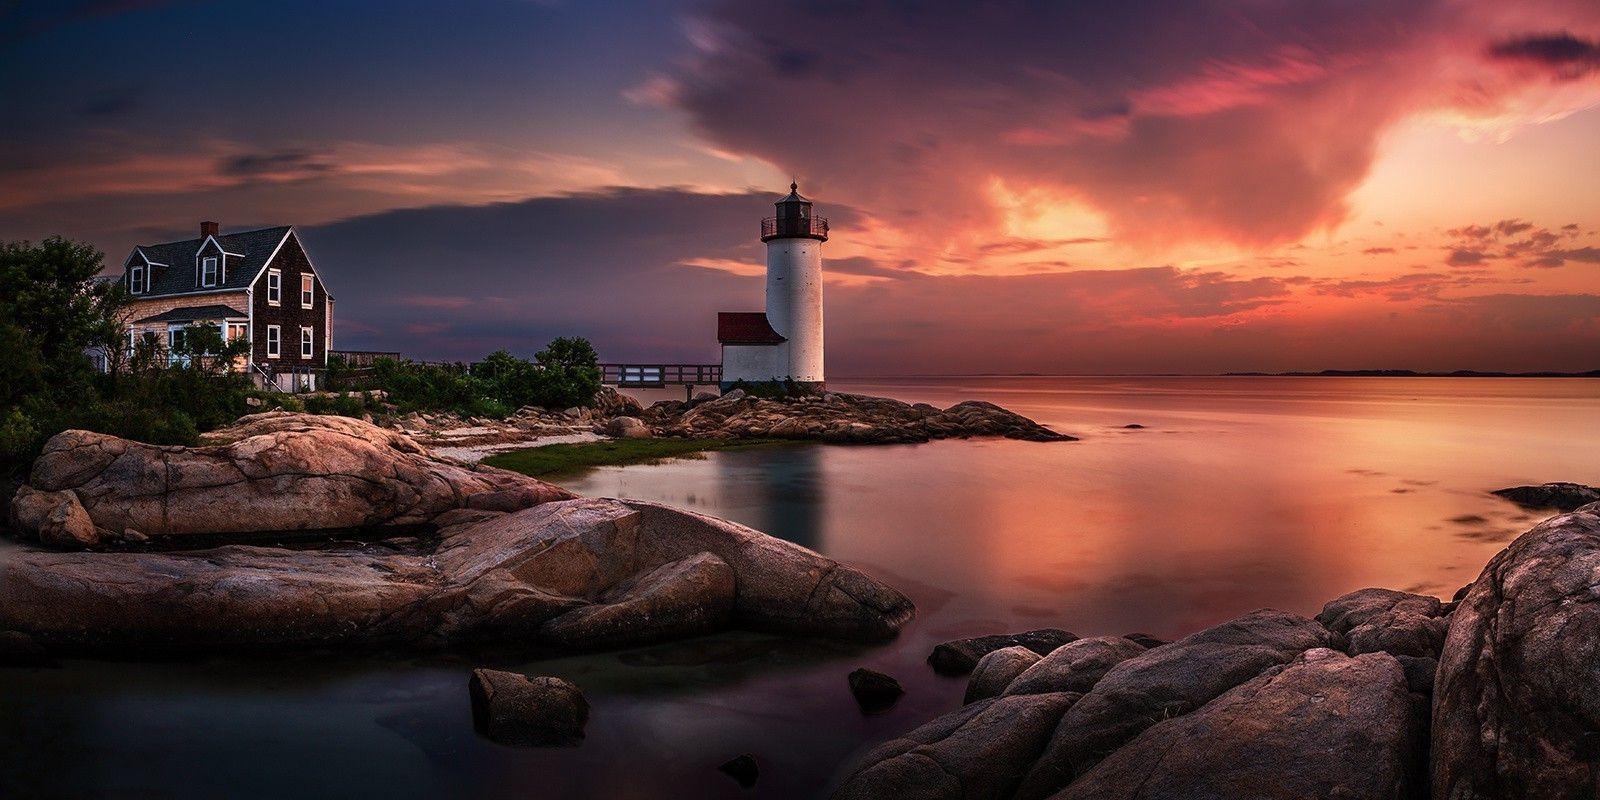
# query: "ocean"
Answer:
x=1234 y=494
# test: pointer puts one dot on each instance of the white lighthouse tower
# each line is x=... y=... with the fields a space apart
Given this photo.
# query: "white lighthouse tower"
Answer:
x=785 y=343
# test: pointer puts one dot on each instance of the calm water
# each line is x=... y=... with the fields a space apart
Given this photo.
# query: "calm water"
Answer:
x=1239 y=493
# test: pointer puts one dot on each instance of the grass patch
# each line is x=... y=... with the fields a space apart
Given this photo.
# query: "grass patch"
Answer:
x=564 y=460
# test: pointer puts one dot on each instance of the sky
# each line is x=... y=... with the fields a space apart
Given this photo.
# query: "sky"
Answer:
x=1013 y=186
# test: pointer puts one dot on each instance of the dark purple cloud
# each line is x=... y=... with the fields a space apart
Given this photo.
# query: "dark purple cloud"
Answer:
x=1566 y=56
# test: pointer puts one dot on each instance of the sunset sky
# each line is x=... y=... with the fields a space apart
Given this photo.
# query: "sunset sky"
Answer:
x=1094 y=187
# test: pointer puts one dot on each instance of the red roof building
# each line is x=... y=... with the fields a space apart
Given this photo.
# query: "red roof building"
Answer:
x=746 y=328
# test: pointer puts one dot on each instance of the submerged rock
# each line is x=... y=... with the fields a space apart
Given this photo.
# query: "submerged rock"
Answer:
x=1517 y=695
x=518 y=710
x=960 y=656
x=874 y=691
x=742 y=768
x=1563 y=497
x=18 y=649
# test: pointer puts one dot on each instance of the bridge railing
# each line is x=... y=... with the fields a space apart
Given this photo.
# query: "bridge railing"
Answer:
x=660 y=374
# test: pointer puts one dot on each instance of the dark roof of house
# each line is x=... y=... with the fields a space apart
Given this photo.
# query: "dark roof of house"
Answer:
x=179 y=276
x=746 y=327
x=192 y=313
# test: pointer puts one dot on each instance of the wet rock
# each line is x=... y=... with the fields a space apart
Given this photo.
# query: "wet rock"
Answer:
x=1517 y=695
x=1166 y=682
x=996 y=670
x=742 y=768
x=960 y=656
x=1075 y=666
x=978 y=752
x=874 y=691
x=1327 y=726
x=1134 y=426
x=18 y=649
x=1145 y=639
x=518 y=710
x=1560 y=496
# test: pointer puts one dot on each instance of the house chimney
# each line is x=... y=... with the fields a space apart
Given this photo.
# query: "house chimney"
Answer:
x=209 y=228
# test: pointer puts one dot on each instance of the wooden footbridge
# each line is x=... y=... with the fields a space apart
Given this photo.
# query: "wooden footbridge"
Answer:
x=651 y=376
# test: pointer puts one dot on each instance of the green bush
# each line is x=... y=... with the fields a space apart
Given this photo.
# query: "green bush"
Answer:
x=564 y=374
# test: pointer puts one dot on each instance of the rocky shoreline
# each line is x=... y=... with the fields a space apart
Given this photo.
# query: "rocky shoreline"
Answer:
x=831 y=417
x=120 y=553
x=1384 y=694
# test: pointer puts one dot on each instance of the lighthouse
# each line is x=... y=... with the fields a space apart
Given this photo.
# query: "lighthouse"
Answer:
x=784 y=343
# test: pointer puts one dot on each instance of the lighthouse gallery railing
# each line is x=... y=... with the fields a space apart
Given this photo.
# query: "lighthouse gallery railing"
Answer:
x=789 y=226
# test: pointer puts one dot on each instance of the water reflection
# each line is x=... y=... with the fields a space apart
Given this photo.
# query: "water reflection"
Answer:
x=1237 y=494
x=786 y=489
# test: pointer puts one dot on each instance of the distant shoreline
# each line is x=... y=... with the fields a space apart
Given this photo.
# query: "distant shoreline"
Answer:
x=1327 y=373
x=1406 y=373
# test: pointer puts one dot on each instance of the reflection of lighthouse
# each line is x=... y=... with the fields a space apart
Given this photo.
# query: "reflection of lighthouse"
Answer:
x=785 y=343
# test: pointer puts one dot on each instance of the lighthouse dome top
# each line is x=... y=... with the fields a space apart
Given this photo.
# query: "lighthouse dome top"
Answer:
x=794 y=196
x=794 y=220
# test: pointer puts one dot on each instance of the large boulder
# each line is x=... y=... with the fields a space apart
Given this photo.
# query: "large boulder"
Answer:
x=1559 y=496
x=980 y=751
x=518 y=710
x=564 y=575
x=1517 y=694
x=1166 y=682
x=1327 y=726
x=268 y=475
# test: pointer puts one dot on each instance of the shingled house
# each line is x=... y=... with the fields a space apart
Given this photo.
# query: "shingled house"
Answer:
x=256 y=284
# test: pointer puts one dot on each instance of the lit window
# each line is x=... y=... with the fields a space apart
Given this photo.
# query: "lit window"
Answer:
x=208 y=271
x=274 y=287
x=274 y=341
x=136 y=280
x=308 y=287
x=236 y=331
x=307 y=348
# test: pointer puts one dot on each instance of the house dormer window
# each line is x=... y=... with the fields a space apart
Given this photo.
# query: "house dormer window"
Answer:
x=208 y=271
x=136 y=280
x=308 y=289
x=274 y=287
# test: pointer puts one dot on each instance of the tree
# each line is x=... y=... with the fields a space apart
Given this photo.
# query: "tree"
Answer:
x=571 y=372
x=52 y=311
